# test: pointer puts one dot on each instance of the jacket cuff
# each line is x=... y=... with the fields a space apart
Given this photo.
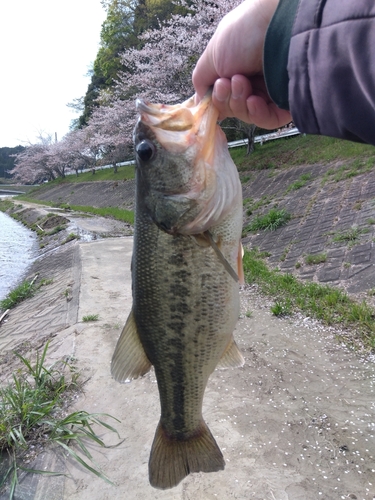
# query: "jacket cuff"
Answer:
x=276 y=51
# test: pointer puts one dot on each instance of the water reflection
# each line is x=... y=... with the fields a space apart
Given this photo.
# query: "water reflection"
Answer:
x=18 y=248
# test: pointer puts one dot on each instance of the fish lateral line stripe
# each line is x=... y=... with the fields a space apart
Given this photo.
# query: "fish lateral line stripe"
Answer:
x=221 y=257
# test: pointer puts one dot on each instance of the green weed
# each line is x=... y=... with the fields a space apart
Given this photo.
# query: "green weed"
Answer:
x=317 y=258
x=55 y=230
x=22 y=292
x=245 y=178
x=90 y=317
x=70 y=237
x=281 y=308
x=5 y=205
x=350 y=236
x=33 y=411
x=270 y=221
x=298 y=184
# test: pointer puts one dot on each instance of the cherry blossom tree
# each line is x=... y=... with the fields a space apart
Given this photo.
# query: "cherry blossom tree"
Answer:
x=110 y=130
x=160 y=71
x=33 y=165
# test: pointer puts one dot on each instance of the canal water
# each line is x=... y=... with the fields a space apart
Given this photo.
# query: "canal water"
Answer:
x=18 y=249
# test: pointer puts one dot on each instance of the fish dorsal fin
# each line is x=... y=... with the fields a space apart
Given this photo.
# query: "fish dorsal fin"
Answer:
x=129 y=360
x=232 y=357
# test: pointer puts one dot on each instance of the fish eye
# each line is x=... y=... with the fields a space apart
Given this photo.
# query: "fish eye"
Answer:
x=145 y=150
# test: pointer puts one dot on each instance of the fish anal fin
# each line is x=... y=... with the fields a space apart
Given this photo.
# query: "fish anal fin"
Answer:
x=129 y=360
x=240 y=272
x=171 y=460
x=232 y=357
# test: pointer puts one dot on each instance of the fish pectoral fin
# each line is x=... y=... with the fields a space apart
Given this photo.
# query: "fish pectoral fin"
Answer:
x=173 y=459
x=129 y=360
x=232 y=357
x=240 y=271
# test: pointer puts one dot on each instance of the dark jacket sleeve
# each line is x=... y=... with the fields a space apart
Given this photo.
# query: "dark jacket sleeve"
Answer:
x=330 y=66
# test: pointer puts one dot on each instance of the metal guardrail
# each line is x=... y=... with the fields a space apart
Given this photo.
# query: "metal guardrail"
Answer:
x=6 y=191
x=266 y=137
x=233 y=144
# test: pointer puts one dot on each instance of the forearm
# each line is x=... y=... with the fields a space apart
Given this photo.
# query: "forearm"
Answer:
x=330 y=72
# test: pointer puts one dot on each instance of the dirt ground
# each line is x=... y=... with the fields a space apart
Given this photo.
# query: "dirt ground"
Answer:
x=297 y=422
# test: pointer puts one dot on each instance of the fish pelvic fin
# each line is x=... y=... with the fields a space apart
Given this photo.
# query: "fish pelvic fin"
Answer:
x=232 y=357
x=129 y=360
x=171 y=460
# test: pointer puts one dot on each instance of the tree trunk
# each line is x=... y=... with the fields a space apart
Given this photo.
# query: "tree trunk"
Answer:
x=250 y=133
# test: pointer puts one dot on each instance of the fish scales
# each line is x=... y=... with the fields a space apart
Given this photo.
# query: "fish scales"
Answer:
x=185 y=302
x=177 y=307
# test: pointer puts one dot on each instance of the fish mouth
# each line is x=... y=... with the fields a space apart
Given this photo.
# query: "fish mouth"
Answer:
x=178 y=126
x=175 y=117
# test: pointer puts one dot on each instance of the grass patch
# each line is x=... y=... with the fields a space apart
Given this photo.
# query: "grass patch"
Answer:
x=328 y=304
x=350 y=236
x=70 y=237
x=318 y=258
x=126 y=172
x=5 y=205
x=299 y=183
x=251 y=205
x=55 y=230
x=114 y=212
x=245 y=178
x=90 y=317
x=33 y=414
x=22 y=292
x=269 y=222
x=281 y=308
x=306 y=150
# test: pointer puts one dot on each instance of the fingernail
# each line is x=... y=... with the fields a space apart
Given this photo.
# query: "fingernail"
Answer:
x=237 y=89
x=250 y=107
x=221 y=92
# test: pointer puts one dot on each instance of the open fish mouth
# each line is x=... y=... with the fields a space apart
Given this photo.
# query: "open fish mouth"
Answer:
x=177 y=117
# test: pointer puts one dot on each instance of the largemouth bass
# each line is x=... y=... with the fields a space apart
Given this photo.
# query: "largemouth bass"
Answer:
x=186 y=268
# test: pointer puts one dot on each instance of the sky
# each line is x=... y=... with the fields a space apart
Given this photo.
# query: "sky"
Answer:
x=46 y=50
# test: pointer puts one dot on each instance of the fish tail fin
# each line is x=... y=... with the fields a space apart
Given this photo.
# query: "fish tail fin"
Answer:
x=173 y=459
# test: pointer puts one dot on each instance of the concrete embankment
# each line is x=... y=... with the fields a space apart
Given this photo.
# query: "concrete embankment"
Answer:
x=334 y=219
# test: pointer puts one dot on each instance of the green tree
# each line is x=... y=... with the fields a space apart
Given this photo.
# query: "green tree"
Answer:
x=7 y=160
x=126 y=20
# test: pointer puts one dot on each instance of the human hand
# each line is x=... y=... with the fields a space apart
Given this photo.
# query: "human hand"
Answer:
x=233 y=63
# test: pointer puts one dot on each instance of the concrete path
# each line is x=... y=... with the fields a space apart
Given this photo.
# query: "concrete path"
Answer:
x=297 y=422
